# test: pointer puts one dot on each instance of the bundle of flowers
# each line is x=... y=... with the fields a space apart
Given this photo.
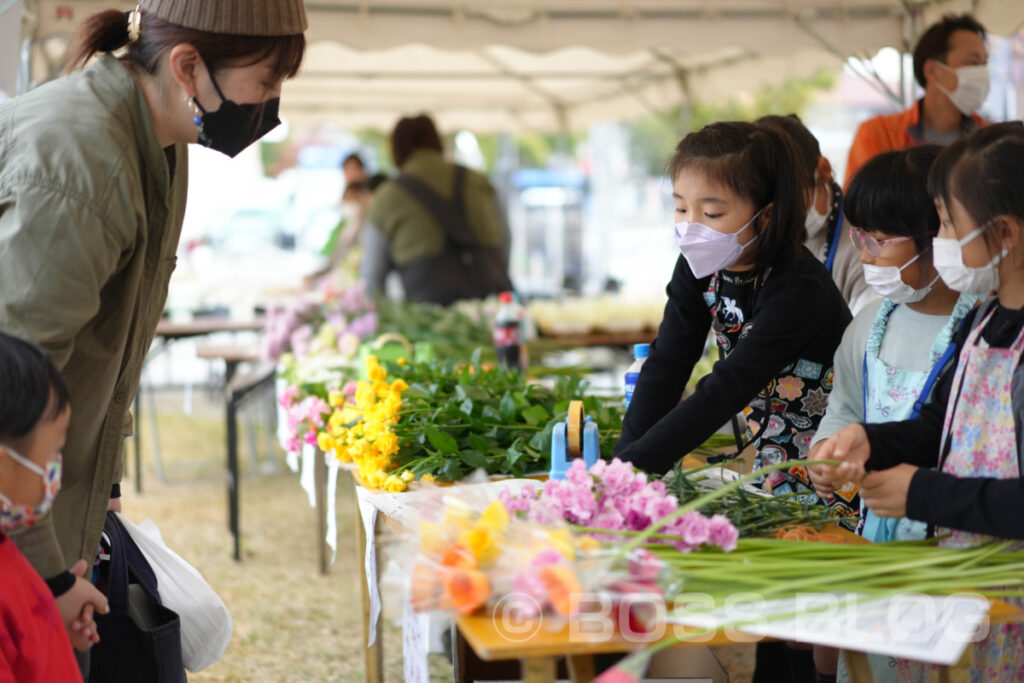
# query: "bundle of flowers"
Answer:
x=443 y=420
x=331 y=322
x=468 y=558
x=614 y=496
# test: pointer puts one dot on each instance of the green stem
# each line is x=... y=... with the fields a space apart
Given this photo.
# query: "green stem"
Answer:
x=700 y=502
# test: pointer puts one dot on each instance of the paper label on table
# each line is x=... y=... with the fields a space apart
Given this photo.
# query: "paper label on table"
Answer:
x=332 y=505
x=923 y=628
x=368 y=513
x=307 y=479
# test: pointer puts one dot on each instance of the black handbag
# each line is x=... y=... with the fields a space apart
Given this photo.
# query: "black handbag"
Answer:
x=140 y=639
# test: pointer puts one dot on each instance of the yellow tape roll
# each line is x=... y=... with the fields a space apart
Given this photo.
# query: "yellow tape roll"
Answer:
x=574 y=429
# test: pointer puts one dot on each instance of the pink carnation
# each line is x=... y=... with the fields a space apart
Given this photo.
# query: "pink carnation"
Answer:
x=723 y=533
x=694 y=527
x=288 y=396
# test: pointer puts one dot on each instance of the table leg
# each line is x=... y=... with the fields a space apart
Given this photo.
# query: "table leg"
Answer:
x=233 y=476
x=959 y=672
x=373 y=656
x=320 y=486
x=581 y=668
x=858 y=666
x=538 y=670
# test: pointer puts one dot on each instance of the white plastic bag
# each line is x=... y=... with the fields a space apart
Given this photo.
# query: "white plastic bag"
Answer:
x=205 y=621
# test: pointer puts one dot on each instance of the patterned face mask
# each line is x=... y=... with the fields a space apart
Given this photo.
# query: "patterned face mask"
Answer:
x=14 y=516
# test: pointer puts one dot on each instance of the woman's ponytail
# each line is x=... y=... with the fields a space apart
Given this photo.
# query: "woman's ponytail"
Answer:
x=102 y=32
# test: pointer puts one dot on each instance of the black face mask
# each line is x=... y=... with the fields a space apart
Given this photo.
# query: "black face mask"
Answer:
x=235 y=126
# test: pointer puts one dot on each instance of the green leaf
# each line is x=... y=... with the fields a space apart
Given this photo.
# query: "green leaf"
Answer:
x=452 y=470
x=535 y=414
x=507 y=408
x=442 y=441
x=474 y=459
x=464 y=391
x=467 y=407
x=474 y=360
x=479 y=443
x=512 y=456
x=416 y=391
x=542 y=439
x=491 y=414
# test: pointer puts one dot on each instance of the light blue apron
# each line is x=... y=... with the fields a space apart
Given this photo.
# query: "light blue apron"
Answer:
x=893 y=394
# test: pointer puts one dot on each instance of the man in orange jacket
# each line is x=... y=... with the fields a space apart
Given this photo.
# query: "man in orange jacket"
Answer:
x=950 y=64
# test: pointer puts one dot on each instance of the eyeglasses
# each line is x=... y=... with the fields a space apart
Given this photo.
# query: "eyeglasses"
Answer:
x=862 y=239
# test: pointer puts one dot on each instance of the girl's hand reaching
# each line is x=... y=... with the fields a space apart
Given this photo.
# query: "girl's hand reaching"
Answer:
x=849 y=445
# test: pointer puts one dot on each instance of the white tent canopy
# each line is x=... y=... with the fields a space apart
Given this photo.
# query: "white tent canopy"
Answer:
x=513 y=64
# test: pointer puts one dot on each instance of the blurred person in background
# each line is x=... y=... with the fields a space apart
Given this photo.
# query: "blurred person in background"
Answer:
x=437 y=224
x=951 y=64
x=828 y=231
x=93 y=186
x=353 y=169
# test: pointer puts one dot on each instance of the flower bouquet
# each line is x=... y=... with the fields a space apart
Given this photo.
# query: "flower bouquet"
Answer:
x=443 y=420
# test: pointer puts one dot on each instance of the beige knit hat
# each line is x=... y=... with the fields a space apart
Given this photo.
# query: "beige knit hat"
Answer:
x=235 y=17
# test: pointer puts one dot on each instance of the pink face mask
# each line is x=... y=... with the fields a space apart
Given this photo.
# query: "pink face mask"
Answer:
x=708 y=250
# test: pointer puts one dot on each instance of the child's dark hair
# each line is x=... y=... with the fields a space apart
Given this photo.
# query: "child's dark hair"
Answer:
x=760 y=164
x=804 y=139
x=889 y=194
x=29 y=384
x=985 y=172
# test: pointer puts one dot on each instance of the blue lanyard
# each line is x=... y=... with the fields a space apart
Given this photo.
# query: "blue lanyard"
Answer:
x=926 y=390
x=837 y=234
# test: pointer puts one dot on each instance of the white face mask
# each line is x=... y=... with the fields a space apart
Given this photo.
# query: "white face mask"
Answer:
x=708 y=250
x=15 y=516
x=815 y=221
x=972 y=87
x=949 y=261
x=888 y=282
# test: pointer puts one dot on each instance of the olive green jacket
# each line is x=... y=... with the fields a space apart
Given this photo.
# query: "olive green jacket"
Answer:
x=91 y=209
x=411 y=231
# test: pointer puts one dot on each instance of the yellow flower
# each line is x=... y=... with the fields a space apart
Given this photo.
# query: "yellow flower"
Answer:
x=399 y=385
x=561 y=540
x=402 y=361
x=325 y=442
x=427 y=478
x=408 y=476
x=387 y=443
x=431 y=537
x=482 y=542
x=395 y=484
x=365 y=395
x=456 y=515
x=495 y=517
x=376 y=373
x=336 y=398
x=587 y=545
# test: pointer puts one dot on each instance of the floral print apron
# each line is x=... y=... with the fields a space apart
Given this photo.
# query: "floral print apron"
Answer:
x=782 y=419
x=982 y=441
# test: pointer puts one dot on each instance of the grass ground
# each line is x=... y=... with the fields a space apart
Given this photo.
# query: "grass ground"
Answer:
x=290 y=623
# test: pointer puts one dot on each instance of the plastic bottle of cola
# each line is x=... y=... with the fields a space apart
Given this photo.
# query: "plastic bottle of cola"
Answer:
x=508 y=331
x=640 y=353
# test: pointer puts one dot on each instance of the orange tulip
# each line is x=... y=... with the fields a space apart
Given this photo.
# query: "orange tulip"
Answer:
x=426 y=588
x=465 y=589
x=459 y=556
x=561 y=584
